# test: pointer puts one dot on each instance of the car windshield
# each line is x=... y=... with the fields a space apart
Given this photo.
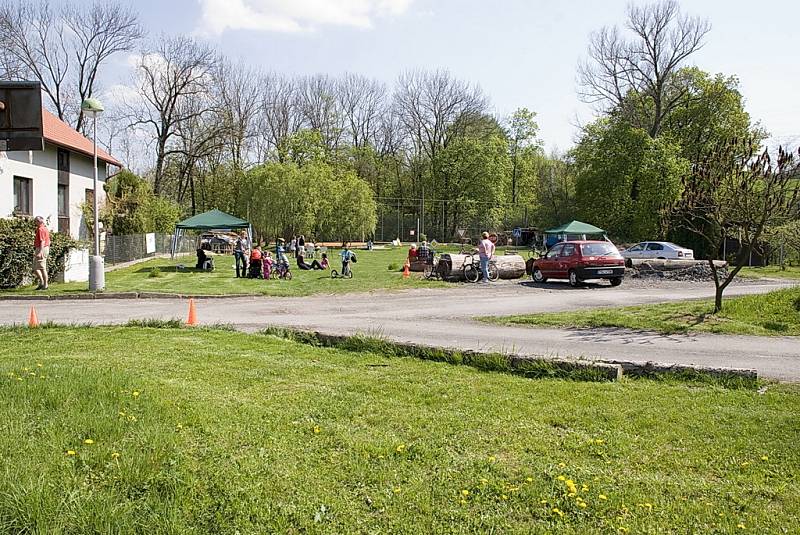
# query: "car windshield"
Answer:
x=599 y=249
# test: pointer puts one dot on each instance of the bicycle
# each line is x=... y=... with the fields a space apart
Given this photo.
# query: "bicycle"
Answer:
x=281 y=271
x=432 y=270
x=472 y=269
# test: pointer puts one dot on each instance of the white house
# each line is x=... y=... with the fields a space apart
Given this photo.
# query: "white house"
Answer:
x=53 y=183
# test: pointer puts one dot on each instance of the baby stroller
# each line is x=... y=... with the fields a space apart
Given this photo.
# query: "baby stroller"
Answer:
x=254 y=269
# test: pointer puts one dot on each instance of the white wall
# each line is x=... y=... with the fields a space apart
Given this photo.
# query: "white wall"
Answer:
x=42 y=168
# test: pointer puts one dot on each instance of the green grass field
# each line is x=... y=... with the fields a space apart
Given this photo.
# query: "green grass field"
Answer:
x=771 y=314
x=370 y=273
x=136 y=430
x=770 y=272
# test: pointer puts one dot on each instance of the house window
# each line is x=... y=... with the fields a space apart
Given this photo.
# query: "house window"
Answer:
x=63 y=200
x=22 y=195
x=63 y=160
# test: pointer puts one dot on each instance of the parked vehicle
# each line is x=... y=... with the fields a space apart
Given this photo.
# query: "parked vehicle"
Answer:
x=658 y=249
x=578 y=261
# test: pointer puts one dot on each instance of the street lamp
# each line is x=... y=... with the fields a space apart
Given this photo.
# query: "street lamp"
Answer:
x=97 y=277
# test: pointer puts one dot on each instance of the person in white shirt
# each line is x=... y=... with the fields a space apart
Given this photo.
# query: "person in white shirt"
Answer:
x=485 y=252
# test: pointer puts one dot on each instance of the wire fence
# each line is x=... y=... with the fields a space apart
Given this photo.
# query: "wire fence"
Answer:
x=445 y=220
x=130 y=247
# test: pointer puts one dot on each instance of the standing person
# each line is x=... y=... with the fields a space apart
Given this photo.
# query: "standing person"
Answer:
x=486 y=252
x=301 y=246
x=347 y=257
x=241 y=251
x=41 y=247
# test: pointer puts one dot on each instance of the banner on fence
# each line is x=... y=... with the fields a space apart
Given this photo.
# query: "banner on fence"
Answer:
x=150 y=243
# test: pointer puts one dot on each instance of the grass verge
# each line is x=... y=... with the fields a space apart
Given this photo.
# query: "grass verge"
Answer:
x=370 y=273
x=776 y=313
x=770 y=272
x=142 y=430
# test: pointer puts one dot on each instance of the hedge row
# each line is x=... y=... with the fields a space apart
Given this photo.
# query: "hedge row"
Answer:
x=16 y=251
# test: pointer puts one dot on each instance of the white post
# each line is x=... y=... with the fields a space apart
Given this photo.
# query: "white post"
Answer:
x=96 y=269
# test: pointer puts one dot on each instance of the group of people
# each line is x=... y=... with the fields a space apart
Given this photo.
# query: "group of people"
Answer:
x=257 y=262
x=424 y=253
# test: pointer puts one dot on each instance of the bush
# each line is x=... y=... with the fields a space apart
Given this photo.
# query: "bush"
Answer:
x=154 y=273
x=16 y=251
x=394 y=266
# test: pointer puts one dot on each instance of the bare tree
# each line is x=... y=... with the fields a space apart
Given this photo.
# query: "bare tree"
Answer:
x=362 y=102
x=279 y=114
x=173 y=77
x=64 y=48
x=320 y=109
x=733 y=191
x=238 y=95
x=98 y=33
x=638 y=76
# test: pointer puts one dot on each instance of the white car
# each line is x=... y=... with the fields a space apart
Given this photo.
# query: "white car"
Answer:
x=658 y=249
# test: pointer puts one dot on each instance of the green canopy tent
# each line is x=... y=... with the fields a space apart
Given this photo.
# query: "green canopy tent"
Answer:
x=211 y=220
x=576 y=230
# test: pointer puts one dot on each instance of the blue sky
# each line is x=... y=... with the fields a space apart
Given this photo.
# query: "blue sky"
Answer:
x=522 y=53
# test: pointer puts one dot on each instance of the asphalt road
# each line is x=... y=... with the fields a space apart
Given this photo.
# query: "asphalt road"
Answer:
x=444 y=317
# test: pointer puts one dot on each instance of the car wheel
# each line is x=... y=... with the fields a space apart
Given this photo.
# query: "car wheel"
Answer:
x=616 y=281
x=574 y=281
x=538 y=276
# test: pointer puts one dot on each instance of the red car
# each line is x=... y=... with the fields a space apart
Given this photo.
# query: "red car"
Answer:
x=578 y=261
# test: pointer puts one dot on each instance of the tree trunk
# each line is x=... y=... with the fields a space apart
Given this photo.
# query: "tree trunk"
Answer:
x=509 y=266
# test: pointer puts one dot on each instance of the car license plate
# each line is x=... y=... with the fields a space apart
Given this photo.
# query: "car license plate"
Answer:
x=605 y=271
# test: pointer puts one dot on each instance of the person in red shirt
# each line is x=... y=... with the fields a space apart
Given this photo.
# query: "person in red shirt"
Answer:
x=41 y=246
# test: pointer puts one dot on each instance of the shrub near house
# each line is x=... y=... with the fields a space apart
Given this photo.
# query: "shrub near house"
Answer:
x=16 y=251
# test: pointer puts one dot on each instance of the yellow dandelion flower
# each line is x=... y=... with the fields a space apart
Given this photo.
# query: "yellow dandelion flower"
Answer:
x=529 y=479
x=543 y=502
x=562 y=465
x=317 y=429
x=400 y=448
x=115 y=455
x=571 y=495
x=179 y=426
x=396 y=490
x=582 y=505
x=38 y=364
x=561 y=478
x=740 y=525
x=745 y=464
x=122 y=413
x=599 y=441
x=88 y=441
x=71 y=452
x=136 y=393
x=558 y=511
x=584 y=488
x=463 y=502
x=492 y=458
x=132 y=418
x=465 y=492
x=503 y=496
x=764 y=458
x=603 y=497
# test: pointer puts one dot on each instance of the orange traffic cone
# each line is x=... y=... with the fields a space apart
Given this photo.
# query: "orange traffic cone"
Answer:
x=406 y=270
x=192 y=320
x=33 y=321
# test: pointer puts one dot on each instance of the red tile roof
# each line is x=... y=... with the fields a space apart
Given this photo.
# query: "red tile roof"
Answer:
x=60 y=133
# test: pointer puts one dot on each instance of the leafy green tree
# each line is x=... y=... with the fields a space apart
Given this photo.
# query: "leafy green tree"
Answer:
x=522 y=142
x=626 y=180
x=132 y=208
x=555 y=192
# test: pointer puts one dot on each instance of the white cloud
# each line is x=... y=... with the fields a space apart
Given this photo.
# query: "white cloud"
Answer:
x=217 y=16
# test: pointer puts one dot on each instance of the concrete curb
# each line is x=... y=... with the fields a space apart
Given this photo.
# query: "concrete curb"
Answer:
x=119 y=295
x=523 y=365
x=610 y=370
